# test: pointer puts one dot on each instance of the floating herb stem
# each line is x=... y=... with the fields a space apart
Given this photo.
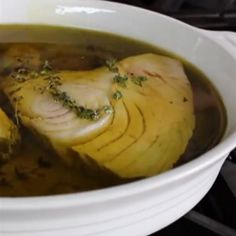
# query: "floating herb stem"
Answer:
x=16 y=101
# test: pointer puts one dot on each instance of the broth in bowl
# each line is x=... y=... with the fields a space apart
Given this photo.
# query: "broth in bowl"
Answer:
x=107 y=90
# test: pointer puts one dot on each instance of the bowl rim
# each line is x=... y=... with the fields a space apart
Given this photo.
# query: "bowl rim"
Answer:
x=94 y=196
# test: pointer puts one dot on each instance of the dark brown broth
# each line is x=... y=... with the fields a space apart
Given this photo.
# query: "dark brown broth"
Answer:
x=36 y=171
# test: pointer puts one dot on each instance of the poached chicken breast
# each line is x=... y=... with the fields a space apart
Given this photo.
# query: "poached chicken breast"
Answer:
x=134 y=117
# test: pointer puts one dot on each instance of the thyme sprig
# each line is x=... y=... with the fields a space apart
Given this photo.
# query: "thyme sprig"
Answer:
x=46 y=68
x=23 y=74
x=117 y=95
x=122 y=80
x=80 y=111
x=108 y=109
x=111 y=65
x=138 y=80
x=119 y=79
x=53 y=87
x=54 y=82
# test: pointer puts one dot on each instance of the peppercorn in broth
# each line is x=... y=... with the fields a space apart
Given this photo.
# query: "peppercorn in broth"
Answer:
x=94 y=80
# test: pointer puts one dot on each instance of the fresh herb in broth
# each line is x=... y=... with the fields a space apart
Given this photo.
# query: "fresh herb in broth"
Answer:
x=33 y=52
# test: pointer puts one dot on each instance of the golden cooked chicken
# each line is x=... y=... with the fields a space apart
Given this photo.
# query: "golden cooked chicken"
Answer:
x=9 y=137
x=134 y=117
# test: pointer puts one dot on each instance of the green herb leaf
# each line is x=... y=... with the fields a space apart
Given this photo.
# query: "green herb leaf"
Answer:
x=138 y=80
x=23 y=74
x=108 y=109
x=22 y=70
x=120 y=80
x=111 y=65
x=18 y=77
x=46 y=68
x=46 y=65
x=117 y=95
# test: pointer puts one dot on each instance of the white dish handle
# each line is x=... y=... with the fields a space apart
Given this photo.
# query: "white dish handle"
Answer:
x=226 y=38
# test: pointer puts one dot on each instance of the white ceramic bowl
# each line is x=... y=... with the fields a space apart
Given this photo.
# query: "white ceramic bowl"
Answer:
x=148 y=205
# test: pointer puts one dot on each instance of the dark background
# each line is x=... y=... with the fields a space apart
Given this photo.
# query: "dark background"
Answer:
x=208 y=14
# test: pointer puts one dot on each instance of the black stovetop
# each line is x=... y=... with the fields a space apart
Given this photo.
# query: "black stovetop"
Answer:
x=208 y=14
x=216 y=214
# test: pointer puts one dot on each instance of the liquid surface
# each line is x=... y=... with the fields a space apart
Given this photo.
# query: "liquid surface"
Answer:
x=35 y=171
